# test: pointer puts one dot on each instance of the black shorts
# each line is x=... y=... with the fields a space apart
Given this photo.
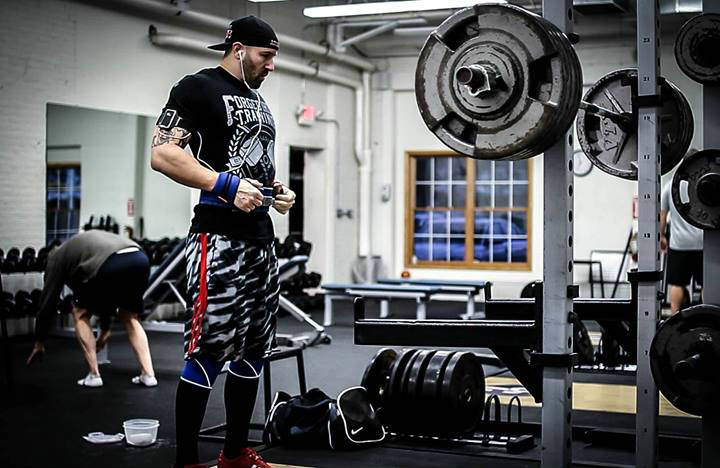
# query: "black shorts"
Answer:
x=233 y=294
x=683 y=264
x=120 y=283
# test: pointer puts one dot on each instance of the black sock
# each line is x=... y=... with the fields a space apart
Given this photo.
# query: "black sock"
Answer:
x=190 y=403
x=240 y=395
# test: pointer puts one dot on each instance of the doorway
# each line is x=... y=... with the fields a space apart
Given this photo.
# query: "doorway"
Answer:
x=297 y=185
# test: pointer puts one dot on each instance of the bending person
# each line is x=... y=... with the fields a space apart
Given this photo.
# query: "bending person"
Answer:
x=107 y=273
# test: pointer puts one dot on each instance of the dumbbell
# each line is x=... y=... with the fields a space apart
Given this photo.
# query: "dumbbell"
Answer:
x=12 y=260
x=314 y=279
x=41 y=260
x=23 y=303
x=7 y=304
x=27 y=260
x=35 y=296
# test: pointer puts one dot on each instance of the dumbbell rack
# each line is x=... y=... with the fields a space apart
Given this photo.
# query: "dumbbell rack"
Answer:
x=711 y=248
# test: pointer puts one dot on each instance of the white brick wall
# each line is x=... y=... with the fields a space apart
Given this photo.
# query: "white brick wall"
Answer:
x=73 y=53
x=37 y=64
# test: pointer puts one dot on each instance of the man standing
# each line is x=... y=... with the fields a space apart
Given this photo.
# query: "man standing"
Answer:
x=684 y=255
x=231 y=263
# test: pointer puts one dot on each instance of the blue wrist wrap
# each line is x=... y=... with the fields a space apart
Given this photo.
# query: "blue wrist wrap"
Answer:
x=226 y=186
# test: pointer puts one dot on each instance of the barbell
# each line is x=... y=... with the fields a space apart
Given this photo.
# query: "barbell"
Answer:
x=498 y=82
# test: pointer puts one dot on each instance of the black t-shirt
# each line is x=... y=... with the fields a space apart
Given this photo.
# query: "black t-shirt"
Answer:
x=227 y=135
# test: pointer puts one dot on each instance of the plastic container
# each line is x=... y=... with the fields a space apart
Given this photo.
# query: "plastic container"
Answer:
x=141 y=432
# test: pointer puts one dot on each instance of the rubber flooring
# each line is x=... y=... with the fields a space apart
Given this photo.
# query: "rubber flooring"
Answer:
x=45 y=414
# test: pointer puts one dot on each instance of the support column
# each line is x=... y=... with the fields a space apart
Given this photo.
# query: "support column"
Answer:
x=648 y=45
x=711 y=248
x=556 y=448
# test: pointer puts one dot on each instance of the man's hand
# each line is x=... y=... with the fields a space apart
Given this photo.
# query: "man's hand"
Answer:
x=285 y=198
x=248 y=196
x=663 y=244
x=102 y=340
x=37 y=353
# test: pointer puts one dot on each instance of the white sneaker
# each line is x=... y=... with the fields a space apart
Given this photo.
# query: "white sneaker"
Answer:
x=146 y=380
x=91 y=380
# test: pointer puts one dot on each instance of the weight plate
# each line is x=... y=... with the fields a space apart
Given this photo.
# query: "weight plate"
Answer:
x=415 y=419
x=429 y=397
x=696 y=189
x=417 y=375
x=463 y=392
x=684 y=358
x=402 y=404
x=696 y=48
x=377 y=374
x=498 y=82
x=393 y=397
x=607 y=131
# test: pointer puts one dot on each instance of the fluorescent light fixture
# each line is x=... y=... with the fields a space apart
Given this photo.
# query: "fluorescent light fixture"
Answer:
x=263 y=1
x=378 y=8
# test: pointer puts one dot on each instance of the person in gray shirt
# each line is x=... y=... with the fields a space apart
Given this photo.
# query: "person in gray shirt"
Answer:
x=684 y=254
x=107 y=273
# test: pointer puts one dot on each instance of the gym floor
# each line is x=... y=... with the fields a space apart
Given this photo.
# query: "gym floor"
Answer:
x=46 y=414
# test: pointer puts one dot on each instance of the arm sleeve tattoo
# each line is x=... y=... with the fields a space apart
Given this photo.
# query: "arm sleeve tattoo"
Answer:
x=176 y=135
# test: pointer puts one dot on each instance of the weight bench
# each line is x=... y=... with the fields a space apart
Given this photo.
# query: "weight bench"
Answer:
x=383 y=292
x=454 y=287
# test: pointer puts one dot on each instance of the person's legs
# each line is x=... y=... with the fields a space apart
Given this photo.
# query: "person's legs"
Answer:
x=678 y=275
x=257 y=319
x=677 y=294
x=86 y=338
x=191 y=399
x=241 y=387
x=697 y=256
x=209 y=334
x=138 y=342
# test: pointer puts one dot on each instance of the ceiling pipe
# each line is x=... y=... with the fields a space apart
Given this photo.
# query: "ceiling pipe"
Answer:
x=219 y=23
x=180 y=42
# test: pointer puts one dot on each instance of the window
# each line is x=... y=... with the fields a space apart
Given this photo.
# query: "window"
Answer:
x=63 y=202
x=467 y=213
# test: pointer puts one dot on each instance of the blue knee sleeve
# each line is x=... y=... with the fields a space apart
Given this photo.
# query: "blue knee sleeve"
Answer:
x=247 y=368
x=201 y=371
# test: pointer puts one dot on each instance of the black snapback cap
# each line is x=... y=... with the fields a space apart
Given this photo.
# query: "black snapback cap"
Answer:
x=249 y=31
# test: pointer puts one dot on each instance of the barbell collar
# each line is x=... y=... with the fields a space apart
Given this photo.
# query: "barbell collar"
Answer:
x=480 y=79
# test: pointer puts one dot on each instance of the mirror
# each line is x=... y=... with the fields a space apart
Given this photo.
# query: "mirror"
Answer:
x=98 y=172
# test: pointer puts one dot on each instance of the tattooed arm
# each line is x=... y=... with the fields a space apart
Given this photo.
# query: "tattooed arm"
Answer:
x=169 y=158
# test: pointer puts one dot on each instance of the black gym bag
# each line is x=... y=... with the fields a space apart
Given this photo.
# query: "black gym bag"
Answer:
x=314 y=420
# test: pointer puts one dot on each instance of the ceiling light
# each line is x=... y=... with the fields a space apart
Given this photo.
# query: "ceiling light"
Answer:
x=263 y=1
x=378 y=8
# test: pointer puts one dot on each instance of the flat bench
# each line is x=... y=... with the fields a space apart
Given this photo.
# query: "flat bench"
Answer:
x=383 y=292
x=470 y=289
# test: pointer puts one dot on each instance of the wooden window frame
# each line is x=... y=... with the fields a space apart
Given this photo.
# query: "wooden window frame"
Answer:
x=470 y=209
x=60 y=165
